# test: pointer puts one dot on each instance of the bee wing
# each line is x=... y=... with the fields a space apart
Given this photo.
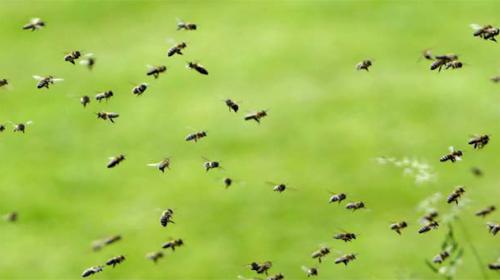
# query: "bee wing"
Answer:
x=89 y=55
x=475 y=26
x=35 y=20
x=149 y=66
x=28 y=122
x=179 y=20
x=57 y=80
x=38 y=78
x=305 y=268
x=271 y=183
x=153 y=164
x=451 y=149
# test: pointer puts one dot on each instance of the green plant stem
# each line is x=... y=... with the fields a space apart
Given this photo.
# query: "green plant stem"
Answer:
x=474 y=251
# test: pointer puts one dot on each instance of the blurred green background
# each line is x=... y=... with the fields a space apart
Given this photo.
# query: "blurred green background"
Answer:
x=326 y=124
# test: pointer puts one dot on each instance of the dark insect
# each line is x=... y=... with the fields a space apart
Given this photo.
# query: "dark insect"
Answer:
x=166 y=217
x=228 y=182
x=181 y=25
x=455 y=195
x=165 y=163
x=337 y=197
x=278 y=276
x=208 y=164
x=45 y=82
x=99 y=244
x=488 y=210
x=345 y=236
x=478 y=142
x=154 y=256
x=2 y=127
x=111 y=116
x=397 y=227
x=91 y=271
x=486 y=32
x=345 y=259
x=3 y=82
x=173 y=244
x=155 y=71
x=34 y=24
x=355 y=205
x=177 y=49
x=495 y=79
x=310 y=271
x=494 y=266
x=431 y=216
x=114 y=161
x=322 y=252
x=256 y=116
x=84 y=100
x=72 y=56
x=196 y=136
x=88 y=60
x=11 y=217
x=447 y=60
x=21 y=127
x=476 y=171
x=232 y=105
x=493 y=228
x=428 y=227
x=441 y=257
x=140 y=89
x=104 y=95
x=427 y=54
x=198 y=67
x=452 y=156
x=364 y=65
x=116 y=260
x=261 y=268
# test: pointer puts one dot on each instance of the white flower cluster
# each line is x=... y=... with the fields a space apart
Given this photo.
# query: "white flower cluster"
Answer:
x=422 y=172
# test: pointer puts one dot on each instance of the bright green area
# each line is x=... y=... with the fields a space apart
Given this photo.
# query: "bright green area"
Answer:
x=326 y=124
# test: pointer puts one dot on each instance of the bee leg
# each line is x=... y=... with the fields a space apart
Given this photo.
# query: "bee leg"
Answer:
x=111 y=120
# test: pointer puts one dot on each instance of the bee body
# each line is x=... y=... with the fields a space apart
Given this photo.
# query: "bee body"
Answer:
x=397 y=227
x=45 y=82
x=186 y=26
x=479 y=142
x=3 y=82
x=104 y=95
x=322 y=252
x=84 y=100
x=198 y=67
x=2 y=127
x=232 y=105
x=455 y=195
x=196 y=136
x=211 y=165
x=337 y=198
x=345 y=236
x=256 y=116
x=111 y=116
x=177 y=49
x=278 y=276
x=364 y=65
x=34 y=24
x=261 y=268
x=166 y=217
x=91 y=271
x=493 y=228
x=355 y=205
x=428 y=227
x=441 y=257
x=154 y=256
x=452 y=156
x=173 y=244
x=72 y=56
x=345 y=259
x=494 y=266
x=310 y=271
x=140 y=89
x=114 y=161
x=228 y=182
x=162 y=165
x=486 y=32
x=11 y=217
x=156 y=71
x=116 y=260
x=483 y=213
x=280 y=188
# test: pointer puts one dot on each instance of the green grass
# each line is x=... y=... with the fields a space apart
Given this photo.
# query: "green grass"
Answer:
x=326 y=124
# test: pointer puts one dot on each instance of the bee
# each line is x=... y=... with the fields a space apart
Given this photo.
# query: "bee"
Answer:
x=166 y=217
x=88 y=60
x=91 y=271
x=428 y=227
x=45 y=82
x=431 y=216
x=441 y=257
x=322 y=252
x=345 y=259
x=337 y=197
x=427 y=54
x=478 y=142
x=165 y=163
x=198 y=67
x=11 y=217
x=476 y=171
x=364 y=65
x=154 y=256
x=84 y=100
x=177 y=49
x=114 y=161
x=397 y=227
x=208 y=164
x=256 y=116
x=185 y=25
x=116 y=260
x=493 y=228
x=21 y=127
x=104 y=95
x=108 y=116
x=452 y=156
x=34 y=24
x=173 y=244
x=495 y=79
x=72 y=56
x=261 y=268
x=228 y=182
x=310 y=271
x=355 y=205
x=345 y=236
x=3 y=82
x=98 y=244
x=454 y=65
x=140 y=89
x=2 y=127
x=486 y=32
x=455 y=195
x=155 y=71
x=278 y=276
x=196 y=136
x=232 y=105
x=486 y=211
x=443 y=60
x=494 y=266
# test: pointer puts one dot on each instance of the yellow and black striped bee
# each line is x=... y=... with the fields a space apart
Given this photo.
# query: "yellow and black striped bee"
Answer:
x=108 y=116
x=452 y=156
x=72 y=56
x=116 y=260
x=455 y=195
x=114 y=161
x=196 y=136
x=166 y=217
x=11 y=217
x=261 y=268
x=208 y=164
x=177 y=49
x=232 y=105
x=256 y=116
x=486 y=32
x=165 y=163
x=104 y=95
x=339 y=197
x=322 y=252
x=21 y=127
x=345 y=259
x=345 y=236
x=154 y=256
x=355 y=205
x=228 y=182
x=140 y=89
x=486 y=211
x=428 y=227
x=441 y=257
x=198 y=67
x=364 y=65
x=45 y=82
x=84 y=100
x=181 y=25
x=91 y=271
x=34 y=24
x=493 y=228
x=155 y=71
x=278 y=276
x=478 y=142
x=3 y=82
x=397 y=227
x=310 y=271
x=172 y=244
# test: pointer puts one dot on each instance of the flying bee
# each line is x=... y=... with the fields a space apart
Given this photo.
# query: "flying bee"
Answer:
x=196 y=136
x=256 y=116
x=310 y=271
x=495 y=79
x=428 y=227
x=278 y=276
x=185 y=25
x=232 y=105
x=278 y=187
x=261 y=268
x=397 y=227
x=72 y=56
x=140 y=89
x=441 y=257
x=165 y=163
x=34 y=24
x=227 y=182
x=112 y=239
x=104 y=95
x=452 y=156
x=155 y=71
x=431 y=216
x=337 y=197
x=91 y=271
x=154 y=256
x=98 y=244
x=2 y=127
x=486 y=32
x=88 y=60
x=455 y=64
x=486 y=211
x=114 y=161
x=345 y=259
x=11 y=217
x=172 y=244
x=166 y=217
x=84 y=100
x=21 y=127
x=45 y=82
x=443 y=60
x=116 y=260
x=493 y=228
x=177 y=49
x=3 y=82
x=108 y=116
x=476 y=171
x=364 y=65
x=455 y=195
x=355 y=205
x=345 y=236
x=322 y=252
x=198 y=67
x=478 y=142
x=208 y=164
x=494 y=266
